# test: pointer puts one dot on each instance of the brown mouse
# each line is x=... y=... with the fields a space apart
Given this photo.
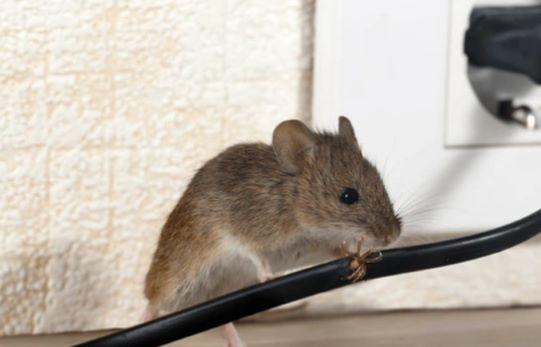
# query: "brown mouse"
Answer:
x=256 y=209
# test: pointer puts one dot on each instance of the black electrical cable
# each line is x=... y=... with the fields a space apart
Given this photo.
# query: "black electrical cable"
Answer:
x=319 y=279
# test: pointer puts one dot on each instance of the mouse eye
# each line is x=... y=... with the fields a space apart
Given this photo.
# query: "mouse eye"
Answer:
x=349 y=196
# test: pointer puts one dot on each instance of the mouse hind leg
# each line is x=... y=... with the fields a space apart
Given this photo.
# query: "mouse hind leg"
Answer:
x=195 y=274
x=179 y=275
x=218 y=274
x=181 y=286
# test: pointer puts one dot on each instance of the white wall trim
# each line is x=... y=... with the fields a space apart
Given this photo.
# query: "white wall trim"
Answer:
x=327 y=61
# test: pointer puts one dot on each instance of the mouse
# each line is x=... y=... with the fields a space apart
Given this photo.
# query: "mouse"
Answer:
x=258 y=209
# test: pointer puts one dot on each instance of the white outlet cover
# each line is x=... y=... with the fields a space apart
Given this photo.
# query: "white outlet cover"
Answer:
x=468 y=123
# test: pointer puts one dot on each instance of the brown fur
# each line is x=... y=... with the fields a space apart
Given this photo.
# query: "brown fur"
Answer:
x=275 y=203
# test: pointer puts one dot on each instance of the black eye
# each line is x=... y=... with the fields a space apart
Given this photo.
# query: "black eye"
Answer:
x=349 y=196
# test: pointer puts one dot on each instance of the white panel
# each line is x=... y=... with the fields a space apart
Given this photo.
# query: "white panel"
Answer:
x=389 y=75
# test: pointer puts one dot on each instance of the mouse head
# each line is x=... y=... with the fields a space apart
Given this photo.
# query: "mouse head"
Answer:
x=339 y=195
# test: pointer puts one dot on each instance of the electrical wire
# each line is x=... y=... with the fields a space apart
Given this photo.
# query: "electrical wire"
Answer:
x=316 y=280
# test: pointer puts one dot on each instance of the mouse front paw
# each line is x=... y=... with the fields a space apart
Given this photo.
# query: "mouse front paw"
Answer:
x=359 y=259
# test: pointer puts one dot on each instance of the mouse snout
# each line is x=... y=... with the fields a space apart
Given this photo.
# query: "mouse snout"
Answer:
x=388 y=233
x=394 y=232
x=391 y=236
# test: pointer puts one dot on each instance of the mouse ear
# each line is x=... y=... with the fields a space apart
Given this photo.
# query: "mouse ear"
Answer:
x=291 y=141
x=345 y=129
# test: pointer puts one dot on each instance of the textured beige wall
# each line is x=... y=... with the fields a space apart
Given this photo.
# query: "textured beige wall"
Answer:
x=107 y=108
